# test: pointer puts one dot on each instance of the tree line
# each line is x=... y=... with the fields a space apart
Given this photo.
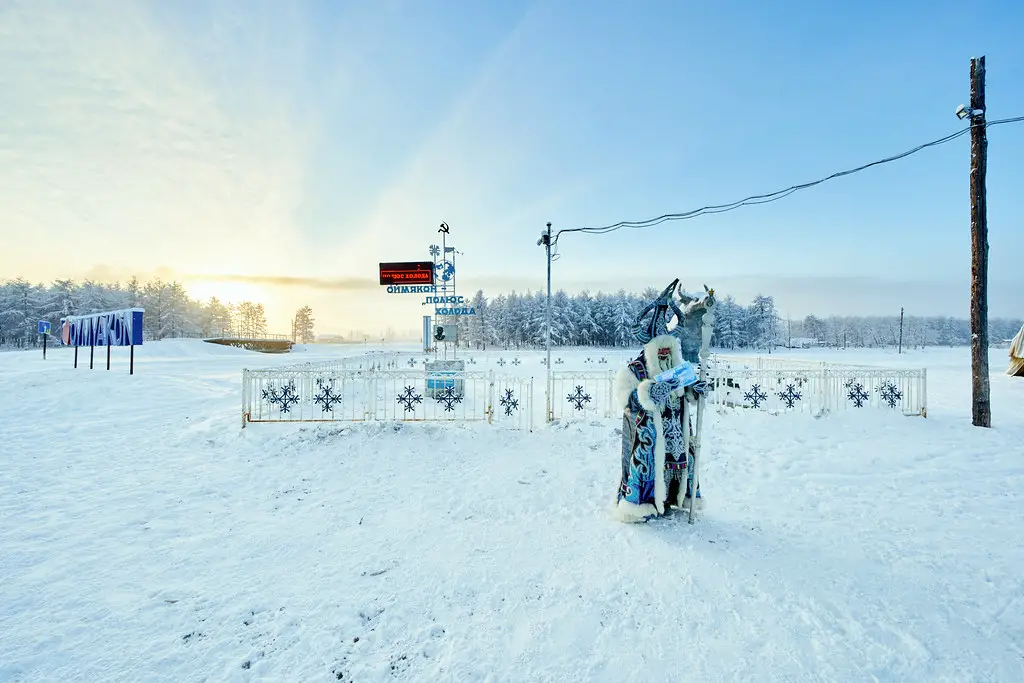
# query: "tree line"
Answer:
x=170 y=312
x=603 y=319
x=510 y=320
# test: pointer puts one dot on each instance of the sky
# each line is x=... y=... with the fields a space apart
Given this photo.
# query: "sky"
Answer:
x=279 y=151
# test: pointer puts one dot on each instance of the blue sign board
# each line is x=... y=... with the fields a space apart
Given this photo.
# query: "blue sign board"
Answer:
x=112 y=328
x=44 y=327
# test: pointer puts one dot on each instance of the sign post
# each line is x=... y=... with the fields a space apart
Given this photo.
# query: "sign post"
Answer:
x=111 y=328
x=44 y=329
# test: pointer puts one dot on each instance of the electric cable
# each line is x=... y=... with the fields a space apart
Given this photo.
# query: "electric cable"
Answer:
x=772 y=196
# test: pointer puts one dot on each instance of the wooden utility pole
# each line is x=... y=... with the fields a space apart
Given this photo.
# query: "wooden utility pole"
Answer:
x=900 y=350
x=981 y=404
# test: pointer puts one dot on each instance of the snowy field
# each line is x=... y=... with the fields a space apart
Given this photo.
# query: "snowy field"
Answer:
x=145 y=536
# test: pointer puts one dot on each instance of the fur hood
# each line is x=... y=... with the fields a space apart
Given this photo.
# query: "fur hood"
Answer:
x=626 y=381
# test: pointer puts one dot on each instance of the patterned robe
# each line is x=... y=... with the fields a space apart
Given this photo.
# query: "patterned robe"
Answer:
x=653 y=458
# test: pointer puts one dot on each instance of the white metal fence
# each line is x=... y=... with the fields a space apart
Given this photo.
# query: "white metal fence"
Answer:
x=782 y=385
x=329 y=392
x=388 y=387
x=767 y=384
x=582 y=395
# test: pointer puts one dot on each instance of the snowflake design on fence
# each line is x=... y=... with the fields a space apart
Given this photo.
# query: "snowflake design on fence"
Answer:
x=412 y=362
x=284 y=398
x=471 y=361
x=603 y=361
x=516 y=361
x=501 y=362
x=509 y=402
x=449 y=398
x=409 y=398
x=589 y=360
x=755 y=396
x=578 y=399
x=858 y=395
x=559 y=361
x=890 y=394
x=790 y=396
x=326 y=398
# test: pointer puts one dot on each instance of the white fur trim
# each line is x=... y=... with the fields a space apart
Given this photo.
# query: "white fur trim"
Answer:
x=643 y=393
x=681 y=493
x=624 y=511
x=625 y=383
x=651 y=352
x=675 y=356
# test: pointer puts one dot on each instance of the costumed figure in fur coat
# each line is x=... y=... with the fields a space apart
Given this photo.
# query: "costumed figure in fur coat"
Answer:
x=656 y=427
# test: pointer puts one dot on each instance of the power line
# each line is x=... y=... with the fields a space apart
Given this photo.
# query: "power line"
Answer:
x=772 y=196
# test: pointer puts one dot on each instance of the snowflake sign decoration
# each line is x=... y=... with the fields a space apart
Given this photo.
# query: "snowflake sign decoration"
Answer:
x=284 y=398
x=326 y=398
x=516 y=361
x=501 y=362
x=449 y=398
x=858 y=395
x=435 y=250
x=509 y=402
x=579 y=398
x=790 y=396
x=409 y=398
x=412 y=362
x=755 y=396
x=890 y=394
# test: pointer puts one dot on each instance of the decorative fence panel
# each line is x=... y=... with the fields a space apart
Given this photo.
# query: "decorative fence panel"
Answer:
x=816 y=387
x=581 y=395
x=321 y=392
x=771 y=385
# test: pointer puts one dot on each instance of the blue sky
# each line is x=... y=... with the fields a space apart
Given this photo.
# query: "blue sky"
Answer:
x=315 y=139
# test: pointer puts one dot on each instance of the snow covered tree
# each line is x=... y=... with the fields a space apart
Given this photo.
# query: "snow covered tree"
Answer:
x=730 y=322
x=763 y=323
x=174 y=318
x=304 y=325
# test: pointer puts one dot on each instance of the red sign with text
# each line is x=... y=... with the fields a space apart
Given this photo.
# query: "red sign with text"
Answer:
x=407 y=273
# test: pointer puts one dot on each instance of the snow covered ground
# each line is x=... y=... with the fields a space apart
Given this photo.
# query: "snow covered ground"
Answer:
x=144 y=536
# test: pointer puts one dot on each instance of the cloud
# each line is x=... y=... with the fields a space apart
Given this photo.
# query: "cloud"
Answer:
x=352 y=284
x=119 y=147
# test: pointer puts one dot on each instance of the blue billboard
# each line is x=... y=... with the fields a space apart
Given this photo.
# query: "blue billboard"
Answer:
x=112 y=328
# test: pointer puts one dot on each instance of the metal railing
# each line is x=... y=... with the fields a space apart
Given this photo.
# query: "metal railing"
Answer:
x=818 y=388
x=325 y=392
x=582 y=395
x=767 y=384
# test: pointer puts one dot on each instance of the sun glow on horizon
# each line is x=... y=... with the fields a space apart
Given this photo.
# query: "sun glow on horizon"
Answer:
x=227 y=291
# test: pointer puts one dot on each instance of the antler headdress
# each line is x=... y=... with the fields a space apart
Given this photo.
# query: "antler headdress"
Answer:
x=646 y=328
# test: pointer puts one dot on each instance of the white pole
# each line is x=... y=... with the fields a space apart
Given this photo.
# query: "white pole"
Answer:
x=546 y=239
x=708 y=320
